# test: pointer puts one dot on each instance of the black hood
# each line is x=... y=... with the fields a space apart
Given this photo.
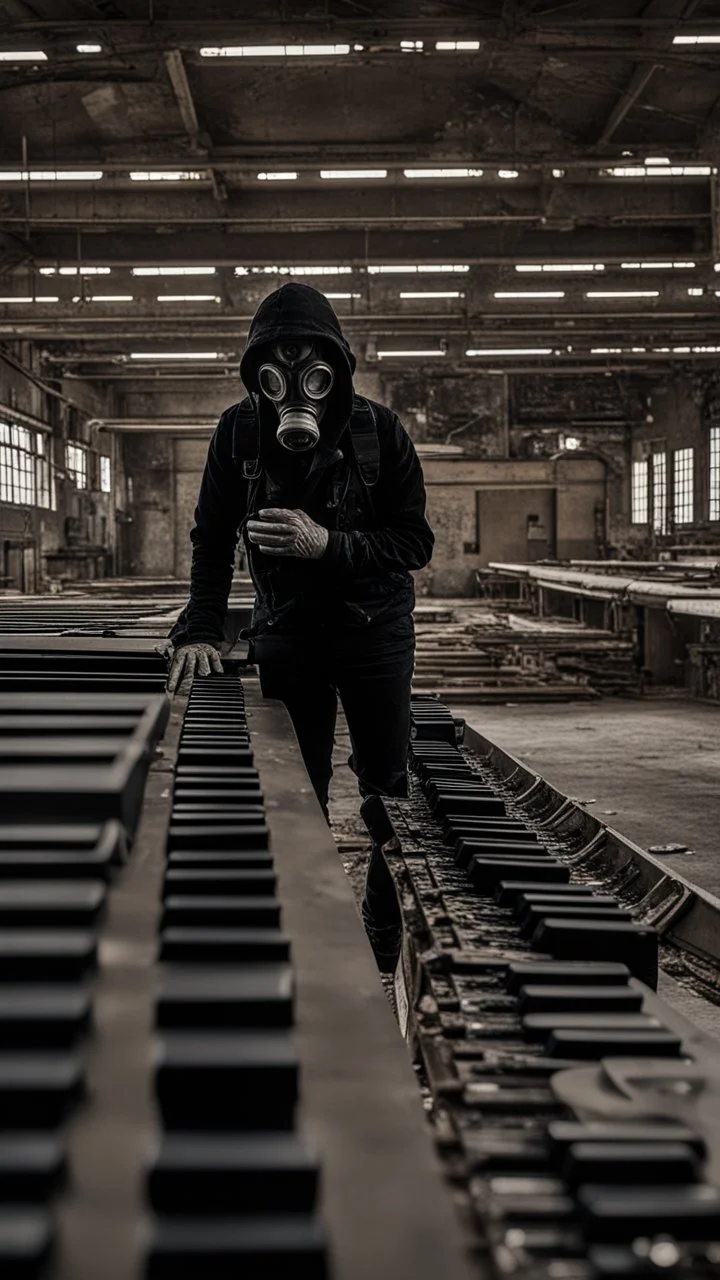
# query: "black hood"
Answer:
x=299 y=311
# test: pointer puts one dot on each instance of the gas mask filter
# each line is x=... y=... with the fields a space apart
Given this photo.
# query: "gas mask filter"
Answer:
x=297 y=382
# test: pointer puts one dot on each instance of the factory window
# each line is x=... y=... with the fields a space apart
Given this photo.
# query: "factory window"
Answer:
x=105 y=474
x=659 y=493
x=76 y=463
x=25 y=475
x=683 y=486
x=715 y=473
x=640 y=492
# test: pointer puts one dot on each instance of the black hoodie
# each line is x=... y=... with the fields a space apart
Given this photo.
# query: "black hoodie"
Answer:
x=377 y=534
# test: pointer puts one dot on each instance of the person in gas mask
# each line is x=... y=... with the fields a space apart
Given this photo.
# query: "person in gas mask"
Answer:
x=327 y=492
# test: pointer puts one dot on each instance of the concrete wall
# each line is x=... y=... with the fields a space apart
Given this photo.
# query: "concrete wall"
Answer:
x=518 y=490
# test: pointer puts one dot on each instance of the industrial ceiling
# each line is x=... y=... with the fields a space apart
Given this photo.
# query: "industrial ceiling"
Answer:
x=513 y=185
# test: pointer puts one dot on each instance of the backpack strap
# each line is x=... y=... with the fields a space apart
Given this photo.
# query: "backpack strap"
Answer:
x=363 y=432
x=246 y=439
x=364 y=435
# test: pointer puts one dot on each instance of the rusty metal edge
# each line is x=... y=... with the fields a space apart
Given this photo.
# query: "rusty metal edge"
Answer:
x=695 y=929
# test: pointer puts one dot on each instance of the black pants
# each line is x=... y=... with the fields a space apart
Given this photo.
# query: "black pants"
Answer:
x=370 y=670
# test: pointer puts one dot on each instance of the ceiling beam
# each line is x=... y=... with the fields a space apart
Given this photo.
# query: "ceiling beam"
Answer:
x=197 y=138
x=492 y=242
x=261 y=206
x=642 y=75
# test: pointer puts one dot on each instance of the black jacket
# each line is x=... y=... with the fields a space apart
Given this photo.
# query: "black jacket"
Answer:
x=377 y=533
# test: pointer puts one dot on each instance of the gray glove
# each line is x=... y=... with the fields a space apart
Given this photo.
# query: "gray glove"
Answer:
x=280 y=532
x=190 y=660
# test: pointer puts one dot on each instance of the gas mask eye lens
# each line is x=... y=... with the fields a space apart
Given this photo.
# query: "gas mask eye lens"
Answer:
x=272 y=382
x=317 y=381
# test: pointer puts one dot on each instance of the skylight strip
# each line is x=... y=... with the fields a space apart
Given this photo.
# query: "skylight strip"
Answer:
x=658 y=266
x=294 y=271
x=555 y=267
x=424 y=268
x=274 y=51
x=443 y=173
x=51 y=175
x=22 y=55
x=174 y=355
x=162 y=175
x=74 y=271
x=339 y=174
x=383 y=355
x=188 y=297
x=509 y=351
x=173 y=271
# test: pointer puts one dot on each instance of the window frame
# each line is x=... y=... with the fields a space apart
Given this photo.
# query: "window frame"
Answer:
x=683 y=486
x=26 y=470
x=640 y=491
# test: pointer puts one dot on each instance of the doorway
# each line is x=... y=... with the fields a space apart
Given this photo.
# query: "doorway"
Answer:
x=516 y=524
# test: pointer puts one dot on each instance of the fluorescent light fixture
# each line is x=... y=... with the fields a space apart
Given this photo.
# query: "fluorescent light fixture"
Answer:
x=89 y=48
x=339 y=174
x=623 y=293
x=384 y=355
x=659 y=171
x=553 y=267
x=51 y=175
x=457 y=46
x=412 y=46
x=695 y=293
x=681 y=351
x=638 y=351
x=425 y=268
x=108 y=297
x=658 y=266
x=509 y=351
x=443 y=173
x=41 y=297
x=549 y=293
x=508 y=173
x=657 y=160
x=606 y=351
x=74 y=271
x=274 y=50
x=22 y=55
x=174 y=355
x=705 y=351
x=166 y=175
x=173 y=271
x=696 y=40
x=277 y=177
x=421 y=293
x=188 y=297
x=293 y=271
x=340 y=296
x=558 y=173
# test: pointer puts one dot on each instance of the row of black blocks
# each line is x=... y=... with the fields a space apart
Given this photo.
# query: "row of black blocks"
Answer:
x=233 y=1186
x=593 y=1190
x=72 y=772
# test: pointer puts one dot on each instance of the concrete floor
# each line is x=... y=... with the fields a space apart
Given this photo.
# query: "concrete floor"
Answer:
x=651 y=768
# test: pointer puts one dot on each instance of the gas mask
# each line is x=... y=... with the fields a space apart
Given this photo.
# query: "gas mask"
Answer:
x=297 y=382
